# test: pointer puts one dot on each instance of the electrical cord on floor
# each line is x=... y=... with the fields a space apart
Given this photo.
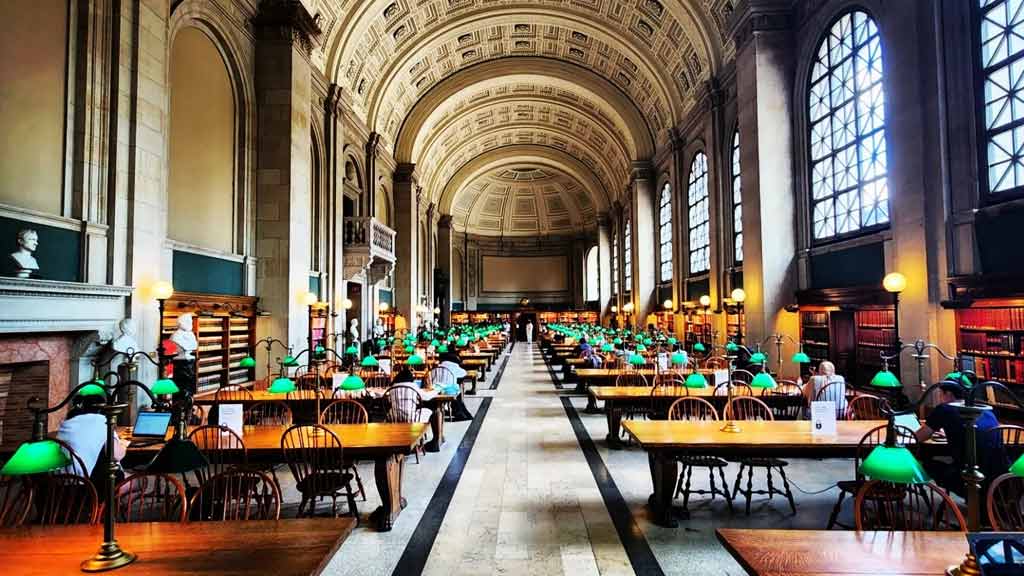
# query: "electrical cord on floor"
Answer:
x=799 y=489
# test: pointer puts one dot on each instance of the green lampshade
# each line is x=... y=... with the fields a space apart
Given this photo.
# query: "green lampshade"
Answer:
x=607 y=348
x=36 y=458
x=699 y=347
x=732 y=347
x=247 y=362
x=435 y=343
x=762 y=380
x=281 y=385
x=758 y=358
x=352 y=350
x=164 y=386
x=678 y=358
x=641 y=348
x=1017 y=469
x=636 y=359
x=289 y=361
x=885 y=379
x=369 y=362
x=94 y=388
x=381 y=343
x=410 y=349
x=352 y=382
x=442 y=349
x=415 y=360
x=801 y=358
x=648 y=341
x=696 y=380
x=893 y=464
x=673 y=341
x=617 y=341
x=959 y=378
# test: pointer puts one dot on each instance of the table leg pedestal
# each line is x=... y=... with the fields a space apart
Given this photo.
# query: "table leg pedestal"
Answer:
x=436 y=428
x=387 y=472
x=591 y=401
x=664 y=475
x=614 y=416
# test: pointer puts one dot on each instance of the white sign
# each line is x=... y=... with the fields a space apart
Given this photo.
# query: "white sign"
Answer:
x=337 y=378
x=823 y=418
x=721 y=376
x=230 y=415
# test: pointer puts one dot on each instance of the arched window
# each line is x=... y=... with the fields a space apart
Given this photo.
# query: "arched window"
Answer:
x=846 y=113
x=697 y=214
x=1002 y=60
x=627 y=254
x=737 y=200
x=665 y=234
x=592 y=292
x=615 y=262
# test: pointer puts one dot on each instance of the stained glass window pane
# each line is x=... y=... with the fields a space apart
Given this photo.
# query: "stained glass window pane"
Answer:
x=737 y=200
x=846 y=111
x=697 y=215
x=1002 y=59
x=665 y=234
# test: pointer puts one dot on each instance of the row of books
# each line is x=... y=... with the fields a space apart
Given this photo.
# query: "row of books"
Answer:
x=992 y=318
x=991 y=343
x=1006 y=370
x=876 y=336
x=876 y=318
x=818 y=318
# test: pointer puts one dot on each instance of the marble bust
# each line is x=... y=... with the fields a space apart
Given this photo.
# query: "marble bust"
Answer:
x=125 y=341
x=22 y=260
x=353 y=329
x=184 y=338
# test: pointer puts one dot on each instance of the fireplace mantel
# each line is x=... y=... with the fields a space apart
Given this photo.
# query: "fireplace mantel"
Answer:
x=28 y=305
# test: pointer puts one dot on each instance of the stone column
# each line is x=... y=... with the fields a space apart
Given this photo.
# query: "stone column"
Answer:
x=334 y=143
x=406 y=248
x=429 y=289
x=720 y=193
x=285 y=33
x=372 y=151
x=765 y=101
x=443 y=294
x=604 y=263
x=643 y=242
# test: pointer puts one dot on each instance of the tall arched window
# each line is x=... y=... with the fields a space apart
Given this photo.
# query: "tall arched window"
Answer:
x=615 y=262
x=592 y=292
x=846 y=104
x=698 y=216
x=1002 y=61
x=627 y=254
x=737 y=200
x=665 y=234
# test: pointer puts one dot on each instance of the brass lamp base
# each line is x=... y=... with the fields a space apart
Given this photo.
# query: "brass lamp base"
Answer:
x=969 y=567
x=731 y=426
x=110 y=557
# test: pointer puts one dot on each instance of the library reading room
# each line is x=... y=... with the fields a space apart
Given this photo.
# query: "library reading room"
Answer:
x=512 y=287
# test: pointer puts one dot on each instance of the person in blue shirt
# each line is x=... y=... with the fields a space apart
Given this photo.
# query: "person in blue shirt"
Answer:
x=991 y=456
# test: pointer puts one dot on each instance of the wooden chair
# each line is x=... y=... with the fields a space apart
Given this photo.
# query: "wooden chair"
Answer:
x=694 y=409
x=150 y=497
x=834 y=392
x=749 y=408
x=347 y=411
x=378 y=380
x=1005 y=503
x=311 y=381
x=739 y=388
x=64 y=499
x=231 y=393
x=789 y=403
x=223 y=449
x=741 y=375
x=404 y=404
x=899 y=507
x=874 y=437
x=197 y=416
x=76 y=465
x=1013 y=440
x=716 y=363
x=317 y=461
x=443 y=377
x=268 y=413
x=237 y=495
x=631 y=412
x=15 y=501
x=866 y=407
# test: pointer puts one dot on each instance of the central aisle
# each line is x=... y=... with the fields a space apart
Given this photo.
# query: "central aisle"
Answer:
x=527 y=502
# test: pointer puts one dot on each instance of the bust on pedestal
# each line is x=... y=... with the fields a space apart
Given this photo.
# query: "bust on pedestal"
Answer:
x=21 y=262
x=184 y=360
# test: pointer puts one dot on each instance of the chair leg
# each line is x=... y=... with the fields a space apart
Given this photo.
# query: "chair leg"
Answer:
x=725 y=489
x=736 y=485
x=359 y=481
x=750 y=486
x=835 y=510
x=771 y=485
x=789 y=493
x=352 y=509
x=711 y=482
x=686 y=491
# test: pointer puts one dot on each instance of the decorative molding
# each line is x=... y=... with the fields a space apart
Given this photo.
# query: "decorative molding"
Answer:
x=288 y=21
x=208 y=252
x=759 y=16
x=28 y=305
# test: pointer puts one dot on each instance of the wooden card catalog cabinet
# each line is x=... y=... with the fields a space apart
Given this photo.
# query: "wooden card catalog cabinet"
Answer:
x=225 y=327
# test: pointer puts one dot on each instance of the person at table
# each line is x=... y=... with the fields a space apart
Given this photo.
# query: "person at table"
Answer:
x=990 y=453
x=827 y=376
x=85 y=431
x=453 y=363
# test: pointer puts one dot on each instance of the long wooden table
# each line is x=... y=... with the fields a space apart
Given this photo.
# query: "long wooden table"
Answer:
x=592 y=377
x=298 y=547
x=835 y=553
x=387 y=444
x=665 y=440
x=618 y=399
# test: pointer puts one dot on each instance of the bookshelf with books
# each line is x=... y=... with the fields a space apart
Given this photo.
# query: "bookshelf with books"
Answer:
x=814 y=334
x=990 y=339
x=735 y=324
x=696 y=327
x=318 y=316
x=875 y=334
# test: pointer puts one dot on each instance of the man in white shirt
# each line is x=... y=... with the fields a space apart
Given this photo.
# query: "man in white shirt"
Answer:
x=85 y=431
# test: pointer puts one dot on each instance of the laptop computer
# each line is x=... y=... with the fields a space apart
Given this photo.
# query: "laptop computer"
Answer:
x=150 y=427
x=907 y=420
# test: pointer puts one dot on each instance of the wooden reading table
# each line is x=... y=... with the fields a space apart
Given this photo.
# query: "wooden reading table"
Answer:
x=593 y=377
x=300 y=547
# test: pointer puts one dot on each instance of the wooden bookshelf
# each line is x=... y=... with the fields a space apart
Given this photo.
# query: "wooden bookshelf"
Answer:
x=875 y=330
x=225 y=327
x=696 y=327
x=815 y=335
x=318 y=322
x=990 y=338
x=735 y=323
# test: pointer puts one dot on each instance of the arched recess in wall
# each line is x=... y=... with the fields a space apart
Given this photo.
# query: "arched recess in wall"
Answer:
x=456 y=276
x=201 y=184
x=382 y=205
x=592 y=289
x=353 y=186
x=317 y=205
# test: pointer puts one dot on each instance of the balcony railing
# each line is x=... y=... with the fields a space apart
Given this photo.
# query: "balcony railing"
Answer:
x=369 y=234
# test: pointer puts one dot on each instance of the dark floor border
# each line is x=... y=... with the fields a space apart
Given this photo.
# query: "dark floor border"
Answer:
x=417 y=550
x=641 y=557
x=554 y=377
x=501 y=370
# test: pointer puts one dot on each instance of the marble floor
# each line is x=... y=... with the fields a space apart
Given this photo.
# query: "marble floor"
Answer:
x=516 y=494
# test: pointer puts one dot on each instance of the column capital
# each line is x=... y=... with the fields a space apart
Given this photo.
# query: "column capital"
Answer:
x=604 y=220
x=642 y=170
x=373 y=145
x=405 y=173
x=445 y=221
x=716 y=95
x=288 y=21
x=753 y=16
x=335 y=99
x=676 y=139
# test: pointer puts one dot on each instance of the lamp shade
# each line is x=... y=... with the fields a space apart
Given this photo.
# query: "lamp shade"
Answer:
x=36 y=458
x=699 y=347
x=289 y=361
x=959 y=378
x=801 y=357
x=731 y=346
x=893 y=464
x=247 y=362
x=369 y=362
x=641 y=348
x=758 y=358
x=352 y=350
x=678 y=358
x=738 y=295
x=894 y=282
x=281 y=385
x=415 y=360
x=462 y=342
x=435 y=343
x=94 y=388
x=162 y=290
x=617 y=341
x=696 y=380
x=636 y=359
x=606 y=347
x=164 y=386
x=1017 y=469
x=673 y=341
x=410 y=348
x=762 y=380
x=352 y=382
x=885 y=379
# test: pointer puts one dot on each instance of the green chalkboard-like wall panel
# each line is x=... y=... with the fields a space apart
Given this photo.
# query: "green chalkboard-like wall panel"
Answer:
x=206 y=274
x=59 y=253
x=314 y=285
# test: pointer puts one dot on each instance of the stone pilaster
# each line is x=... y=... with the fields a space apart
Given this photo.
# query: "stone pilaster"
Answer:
x=643 y=241
x=604 y=263
x=443 y=294
x=285 y=33
x=372 y=151
x=406 y=242
x=334 y=141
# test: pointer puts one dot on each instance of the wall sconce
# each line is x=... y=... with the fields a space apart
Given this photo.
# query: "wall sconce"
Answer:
x=668 y=304
x=347 y=303
x=738 y=295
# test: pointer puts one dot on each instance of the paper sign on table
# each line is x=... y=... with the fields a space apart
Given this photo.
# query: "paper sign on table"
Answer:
x=823 y=418
x=230 y=415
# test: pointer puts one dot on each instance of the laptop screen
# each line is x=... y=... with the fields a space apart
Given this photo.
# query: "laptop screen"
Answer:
x=151 y=424
x=908 y=420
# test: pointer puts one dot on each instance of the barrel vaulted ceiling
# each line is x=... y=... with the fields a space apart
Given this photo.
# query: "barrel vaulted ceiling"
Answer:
x=582 y=86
